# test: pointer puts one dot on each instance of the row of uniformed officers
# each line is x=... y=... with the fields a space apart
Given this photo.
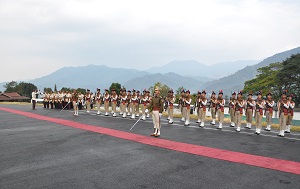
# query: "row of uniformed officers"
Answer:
x=238 y=106
x=130 y=103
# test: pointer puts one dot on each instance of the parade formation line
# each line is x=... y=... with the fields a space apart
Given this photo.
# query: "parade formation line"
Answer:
x=226 y=155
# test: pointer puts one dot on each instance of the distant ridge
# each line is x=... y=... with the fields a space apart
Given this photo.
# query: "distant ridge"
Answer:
x=91 y=76
x=236 y=81
x=194 y=68
x=172 y=80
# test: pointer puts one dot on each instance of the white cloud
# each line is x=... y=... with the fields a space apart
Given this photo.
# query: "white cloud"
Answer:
x=141 y=34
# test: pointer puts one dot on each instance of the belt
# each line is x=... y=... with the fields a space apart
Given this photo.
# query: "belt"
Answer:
x=156 y=109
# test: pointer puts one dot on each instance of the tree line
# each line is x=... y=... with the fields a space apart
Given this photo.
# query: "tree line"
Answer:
x=276 y=78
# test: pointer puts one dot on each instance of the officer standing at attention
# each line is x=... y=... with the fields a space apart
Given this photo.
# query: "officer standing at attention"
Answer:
x=33 y=99
x=220 y=109
x=156 y=105
x=290 y=114
x=250 y=104
x=231 y=109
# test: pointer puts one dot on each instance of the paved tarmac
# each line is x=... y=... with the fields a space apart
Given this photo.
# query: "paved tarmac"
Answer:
x=43 y=154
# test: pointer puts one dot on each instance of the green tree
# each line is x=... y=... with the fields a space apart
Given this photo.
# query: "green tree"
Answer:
x=289 y=76
x=25 y=89
x=48 y=90
x=22 y=88
x=116 y=86
x=178 y=91
x=55 y=88
x=81 y=90
x=10 y=87
x=164 y=89
x=265 y=81
x=65 y=89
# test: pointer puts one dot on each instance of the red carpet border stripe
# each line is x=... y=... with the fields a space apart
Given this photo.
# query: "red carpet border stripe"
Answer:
x=226 y=155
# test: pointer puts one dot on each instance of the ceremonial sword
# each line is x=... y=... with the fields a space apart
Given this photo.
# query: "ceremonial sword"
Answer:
x=136 y=122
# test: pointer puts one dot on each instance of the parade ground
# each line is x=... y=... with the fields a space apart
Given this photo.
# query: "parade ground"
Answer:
x=45 y=148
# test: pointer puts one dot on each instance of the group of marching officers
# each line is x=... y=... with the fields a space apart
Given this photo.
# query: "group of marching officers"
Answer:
x=130 y=103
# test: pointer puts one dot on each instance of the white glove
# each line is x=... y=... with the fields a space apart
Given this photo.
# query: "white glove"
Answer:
x=160 y=114
x=146 y=111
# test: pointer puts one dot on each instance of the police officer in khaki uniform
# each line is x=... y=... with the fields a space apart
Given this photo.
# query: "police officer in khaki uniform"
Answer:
x=188 y=101
x=290 y=114
x=148 y=102
x=144 y=100
x=231 y=109
x=134 y=104
x=220 y=109
x=74 y=100
x=202 y=108
x=51 y=99
x=259 y=105
x=80 y=100
x=213 y=107
x=123 y=103
x=269 y=104
x=238 y=111
x=156 y=105
x=68 y=98
x=128 y=103
x=88 y=97
x=250 y=104
x=114 y=101
x=182 y=103
x=197 y=106
x=98 y=98
x=171 y=100
x=106 y=99
x=283 y=106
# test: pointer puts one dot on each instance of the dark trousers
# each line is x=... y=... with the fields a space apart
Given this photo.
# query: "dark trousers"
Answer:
x=33 y=104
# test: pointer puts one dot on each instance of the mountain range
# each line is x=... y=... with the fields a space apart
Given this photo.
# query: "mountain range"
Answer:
x=192 y=68
x=235 y=81
x=190 y=74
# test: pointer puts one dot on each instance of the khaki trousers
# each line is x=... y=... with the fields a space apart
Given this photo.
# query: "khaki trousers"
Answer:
x=75 y=106
x=156 y=121
x=171 y=112
x=129 y=107
x=187 y=114
x=106 y=106
x=98 y=105
x=282 y=121
x=135 y=108
x=289 y=119
x=184 y=112
x=258 y=120
x=143 y=108
x=249 y=114
x=202 y=114
x=220 y=116
x=238 y=118
x=114 y=107
x=232 y=117
x=213 y=113
x=198 y=113
x=268 y=118
x=123 y=107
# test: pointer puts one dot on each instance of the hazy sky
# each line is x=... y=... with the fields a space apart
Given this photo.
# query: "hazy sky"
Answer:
x=38 y=37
